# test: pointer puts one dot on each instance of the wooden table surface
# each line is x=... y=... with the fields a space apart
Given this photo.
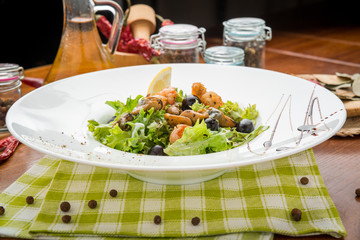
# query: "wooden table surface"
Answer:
x=323 y=51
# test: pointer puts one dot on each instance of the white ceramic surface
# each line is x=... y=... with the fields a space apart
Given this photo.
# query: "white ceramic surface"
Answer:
x=53 y=119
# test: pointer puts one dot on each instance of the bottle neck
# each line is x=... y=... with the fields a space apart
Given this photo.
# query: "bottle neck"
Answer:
x=78 y=8
x=79 y=13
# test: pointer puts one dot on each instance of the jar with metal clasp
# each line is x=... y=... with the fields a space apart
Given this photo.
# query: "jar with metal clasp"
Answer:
x=249 y=34
x=224 y=55
x=179 y=43
x=10 y=89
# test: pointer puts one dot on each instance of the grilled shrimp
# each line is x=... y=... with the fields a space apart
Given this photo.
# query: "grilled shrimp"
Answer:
x=177 y=132
x=198 y=89
x=170 y=93
x=211 y=99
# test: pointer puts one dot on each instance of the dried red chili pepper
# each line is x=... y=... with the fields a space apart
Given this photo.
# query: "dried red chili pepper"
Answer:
x=127 y=42
x=105 y=28
x=163 y=21
x=142 y=47
x=125 y=37
x=166 y=22
x=10 y=143
x=104 y=25
x=126 y=33
x=33 y=82
x=6 y=141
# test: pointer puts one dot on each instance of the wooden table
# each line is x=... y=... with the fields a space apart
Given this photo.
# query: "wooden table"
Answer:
x=320 y=51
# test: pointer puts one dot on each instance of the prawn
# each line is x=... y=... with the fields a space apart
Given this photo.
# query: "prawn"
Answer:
x=170 y=93
x=198 y=89
x=210 y=98
x=177 y=132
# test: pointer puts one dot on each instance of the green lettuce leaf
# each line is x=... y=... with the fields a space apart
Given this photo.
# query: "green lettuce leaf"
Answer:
x=234 y=111
x=198 y=140
x=197 y=106
x=121 y=107
x=146 y=130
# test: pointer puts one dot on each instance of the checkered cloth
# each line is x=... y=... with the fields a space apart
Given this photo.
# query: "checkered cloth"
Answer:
x=251 y=202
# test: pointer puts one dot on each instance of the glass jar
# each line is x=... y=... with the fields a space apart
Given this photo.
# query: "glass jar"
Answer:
x=179 y=43
x=10 y=89
x=249 y=34
x=224 y=55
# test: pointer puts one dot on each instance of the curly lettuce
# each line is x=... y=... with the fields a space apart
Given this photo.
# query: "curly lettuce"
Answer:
x=200 y=140
x=149 y=128
x=146 y=130
x=234 y=111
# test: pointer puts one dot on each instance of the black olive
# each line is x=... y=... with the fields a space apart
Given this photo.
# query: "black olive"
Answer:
x=245 y=126
x=212 y=124
x=188 y=101
x=157 y=150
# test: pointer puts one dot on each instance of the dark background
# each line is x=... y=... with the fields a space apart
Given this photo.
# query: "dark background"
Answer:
x=30 y=31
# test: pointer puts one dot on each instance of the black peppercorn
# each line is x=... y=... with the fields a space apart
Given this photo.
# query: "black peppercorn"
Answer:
x=29 y=200
x=304 y=180
x=296 y=214
x=65 y=206
x=66 y=218
x=157 y=219
x=113 y=193
x=195 y=221
x=92 y=204
x=357 y=192
x=2 y=210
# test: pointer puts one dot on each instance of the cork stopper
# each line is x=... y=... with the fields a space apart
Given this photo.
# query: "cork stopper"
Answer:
x=142 y=21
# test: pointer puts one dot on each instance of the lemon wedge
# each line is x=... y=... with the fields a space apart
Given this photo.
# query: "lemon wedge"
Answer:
x=161 y=80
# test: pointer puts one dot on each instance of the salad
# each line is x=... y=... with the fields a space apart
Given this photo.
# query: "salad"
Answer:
x=172 y=123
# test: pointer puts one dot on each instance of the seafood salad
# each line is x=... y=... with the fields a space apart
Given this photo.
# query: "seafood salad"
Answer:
x=172 y=123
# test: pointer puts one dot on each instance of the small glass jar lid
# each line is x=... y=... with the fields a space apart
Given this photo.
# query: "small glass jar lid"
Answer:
x=247 y=27
x=224 y=55
x=178 y=36
x=10 y=76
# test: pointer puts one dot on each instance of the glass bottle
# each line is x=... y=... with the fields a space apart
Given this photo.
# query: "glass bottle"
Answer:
x=81 y=49
x=179 y=43
x=250 y=35
x=10 y=89
x=224 y=55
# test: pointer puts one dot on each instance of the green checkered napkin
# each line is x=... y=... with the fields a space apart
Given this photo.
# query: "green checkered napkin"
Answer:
x=250 y=202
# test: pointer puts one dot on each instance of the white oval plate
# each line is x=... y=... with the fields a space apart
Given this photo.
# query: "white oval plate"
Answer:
x=53 y=119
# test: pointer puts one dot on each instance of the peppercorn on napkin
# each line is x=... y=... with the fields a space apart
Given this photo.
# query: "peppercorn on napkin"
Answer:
x=251 y=202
